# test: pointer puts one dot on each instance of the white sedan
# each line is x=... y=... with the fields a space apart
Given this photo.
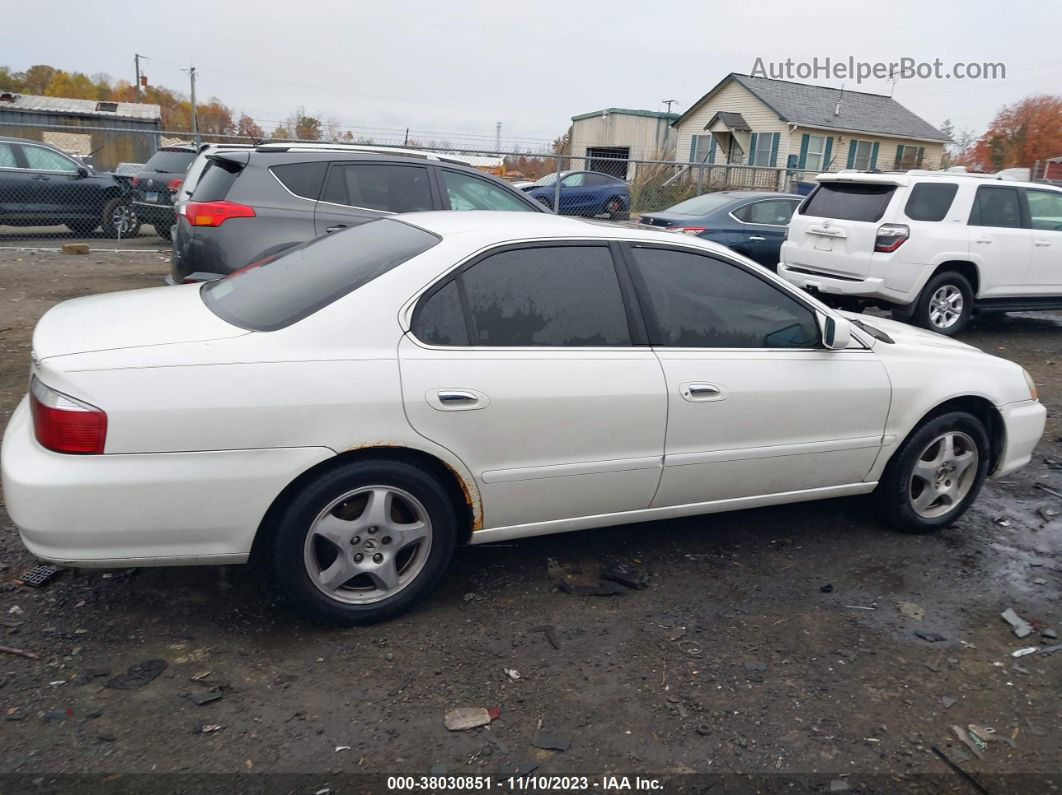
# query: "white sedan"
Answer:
x=358 y=406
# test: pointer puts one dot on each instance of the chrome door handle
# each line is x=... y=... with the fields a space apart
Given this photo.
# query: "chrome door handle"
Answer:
x=982 y=240
x=1041 y=243
x=756 y=237
x=698 y=391
x=335 y=228
x=703 y=389
x=456 y=397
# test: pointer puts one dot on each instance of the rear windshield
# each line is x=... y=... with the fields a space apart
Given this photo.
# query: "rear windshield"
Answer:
x=702 y=205
x=217 y=179
x=849 y=201
x=170 y=162
x=277 y=292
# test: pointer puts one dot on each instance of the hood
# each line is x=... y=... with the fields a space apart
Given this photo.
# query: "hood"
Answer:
x=904 y=334
x=129 y=319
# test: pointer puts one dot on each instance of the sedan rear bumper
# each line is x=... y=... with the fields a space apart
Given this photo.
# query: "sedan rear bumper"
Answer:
x=1023 y=427
x=152 y=509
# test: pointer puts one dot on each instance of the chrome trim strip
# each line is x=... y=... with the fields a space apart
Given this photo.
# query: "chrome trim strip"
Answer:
x=568 y=470
x=772 y=451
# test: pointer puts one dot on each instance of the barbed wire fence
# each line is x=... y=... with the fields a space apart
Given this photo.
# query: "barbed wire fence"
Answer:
x=87 y=191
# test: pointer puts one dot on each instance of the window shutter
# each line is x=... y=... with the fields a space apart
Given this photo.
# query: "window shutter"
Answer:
x=851 y=152
x=874 y=156
x=826 y=154
x=711 y=151
x=752 y=150
x=693 y=148
x=774 y=148
x=803 y=161
x=899 y=157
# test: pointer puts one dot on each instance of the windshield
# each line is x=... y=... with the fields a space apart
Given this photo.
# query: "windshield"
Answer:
x=169 y=161
x=278 y=291
x=549 y=179
x=702 y=205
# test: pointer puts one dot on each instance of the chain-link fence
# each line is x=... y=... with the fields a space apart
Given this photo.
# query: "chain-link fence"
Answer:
x=64 y=183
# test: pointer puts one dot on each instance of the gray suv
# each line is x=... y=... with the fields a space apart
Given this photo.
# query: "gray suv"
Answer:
x=250 y=205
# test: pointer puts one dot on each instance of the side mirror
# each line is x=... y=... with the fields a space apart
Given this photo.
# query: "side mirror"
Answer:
x=82 y=172
x=836 y=332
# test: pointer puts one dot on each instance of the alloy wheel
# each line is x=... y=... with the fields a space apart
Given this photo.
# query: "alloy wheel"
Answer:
x=945 y=306
x=943 y=474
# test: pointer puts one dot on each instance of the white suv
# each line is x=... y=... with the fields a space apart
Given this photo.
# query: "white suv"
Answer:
x=932 y=246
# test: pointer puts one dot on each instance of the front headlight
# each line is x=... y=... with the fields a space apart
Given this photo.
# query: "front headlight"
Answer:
x=1033 y=393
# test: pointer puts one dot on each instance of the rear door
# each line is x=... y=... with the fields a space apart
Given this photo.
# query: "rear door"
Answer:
x=15 y=185
x=1000 y=238
x=835 y=229
x=761 y=227
x=356 y=192
x=1045 y=217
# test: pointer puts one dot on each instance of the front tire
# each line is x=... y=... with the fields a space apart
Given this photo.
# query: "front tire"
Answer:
x=945 y=304
x=936 y=474
x=363 y=542
x=119 y=218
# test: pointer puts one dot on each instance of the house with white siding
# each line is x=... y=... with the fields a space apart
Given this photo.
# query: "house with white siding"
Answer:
x=761 y=122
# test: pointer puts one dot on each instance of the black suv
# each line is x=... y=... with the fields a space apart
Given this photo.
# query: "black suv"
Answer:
x=157 y=183
x=42 y=186
x=252 y=204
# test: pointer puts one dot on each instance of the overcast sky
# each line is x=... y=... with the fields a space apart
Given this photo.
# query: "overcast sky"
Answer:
x=450 y=69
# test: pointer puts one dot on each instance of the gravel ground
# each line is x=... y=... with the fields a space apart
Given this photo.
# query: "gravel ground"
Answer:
x=736 y=659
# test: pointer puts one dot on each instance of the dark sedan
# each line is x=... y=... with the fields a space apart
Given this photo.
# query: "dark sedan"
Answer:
x=586 y=193
x=750 y=223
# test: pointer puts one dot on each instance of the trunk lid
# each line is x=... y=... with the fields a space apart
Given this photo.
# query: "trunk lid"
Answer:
x=834 y=230
x=129 y=319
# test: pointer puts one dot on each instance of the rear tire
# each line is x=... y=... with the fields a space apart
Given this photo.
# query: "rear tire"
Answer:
x=936 y=474
x=344 y=552
x=614 y=209
x=945 y=304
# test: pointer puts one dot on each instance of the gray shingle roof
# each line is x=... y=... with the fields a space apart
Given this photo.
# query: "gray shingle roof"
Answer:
x=735 y=121
x=82 y=107
x=813 y=106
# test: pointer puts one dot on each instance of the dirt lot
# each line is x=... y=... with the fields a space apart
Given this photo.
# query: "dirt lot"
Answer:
x=735 y=659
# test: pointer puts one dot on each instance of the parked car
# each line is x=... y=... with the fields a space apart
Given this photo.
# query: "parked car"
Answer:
x=586 y=193
x=253 y=204
x=199 y=164
x=359 y=405
x=157 y=184
x=934 y=247
x=751 y=223
x=42 y=186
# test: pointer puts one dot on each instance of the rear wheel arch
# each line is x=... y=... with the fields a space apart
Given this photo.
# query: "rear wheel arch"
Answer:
x=463 y=496
x=968 y=270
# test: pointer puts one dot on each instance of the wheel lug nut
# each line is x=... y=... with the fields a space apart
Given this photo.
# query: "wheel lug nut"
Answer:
x=387 y=539
x=355 y=540
x=358 y=558
x=372 y=530
x=377 y=558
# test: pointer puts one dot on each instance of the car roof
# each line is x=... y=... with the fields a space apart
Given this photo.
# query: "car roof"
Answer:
x=905 y=178
x=13 y=140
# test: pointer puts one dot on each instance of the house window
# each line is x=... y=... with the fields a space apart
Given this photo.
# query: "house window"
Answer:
x=862 y=153
x=909 y=156
x=701 y=150
x=762 y=154
x=816 y=157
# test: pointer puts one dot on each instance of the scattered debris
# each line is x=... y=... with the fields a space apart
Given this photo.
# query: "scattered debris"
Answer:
x=966 y=740
x=551 y=743
x=512 y=673
x=1049 y=633
x=199 y=677
x=137 y=675
x=861 y=607
x=930 y=637
x=1053 y=463
x=1002 y=521
x=603 y=588
x=756 y=666
x=39 y=575
x=827 y=588
x=628 y=575
x=958 y=770
x=463 y=718
x=948 y=701
x=704 y=729
x=1026 y=650
x=86 y=676
x=1020 y=626
x=1046 y=650
x=525 y=769
x=30 y=655
x=75 y=248
x=203 y=698
x=16 y=610
x=342 y=748
x=437 y=770
x=1048 y=514
x=209 y=728
x=550 y=634
x=911 y=610
x=837 y=785
x=1049 y=490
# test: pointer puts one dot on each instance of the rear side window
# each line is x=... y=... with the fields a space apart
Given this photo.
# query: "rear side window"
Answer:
x=775 y=212
x=218 y=177
x=930 y=201
x=472 y=193
x=1045 y=209
x=996 y=207
x=378 y=186
x=169 y=161
x=282 y=291
x=302 y=179
x=849 y=201
x=546 y=296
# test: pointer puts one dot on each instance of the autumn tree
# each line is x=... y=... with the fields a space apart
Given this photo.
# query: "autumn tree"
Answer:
x=280 y=133
x=247 y=128
x=1021 y=134
x=37 y=78
x=215 y=118
x=73 y=85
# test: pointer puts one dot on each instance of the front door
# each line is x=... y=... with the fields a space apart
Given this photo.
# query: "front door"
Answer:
x=56 y=188
x=761 y=229
x=527 y=365
x=756 y=405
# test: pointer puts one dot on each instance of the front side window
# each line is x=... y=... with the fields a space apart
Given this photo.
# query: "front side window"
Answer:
x=41 y=159
x=703 y=302
x=549 y=296
x=996 y=207
x=862 y=153
x=279 y=291
x=930 y=201
x=1045 y=209
x=379 y=186
x=773 y=212
x=472 y=193
x=574 y=180
x=816 y=155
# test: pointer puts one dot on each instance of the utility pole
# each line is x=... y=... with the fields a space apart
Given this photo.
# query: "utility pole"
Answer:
x=195 y=119
x=136 y=60
x=667 y=129
x=405 y=141
x=497 y=137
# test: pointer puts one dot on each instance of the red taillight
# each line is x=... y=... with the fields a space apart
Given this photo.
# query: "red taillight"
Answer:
x=135 y=181
x=891 y=237
x=687 y=230
x=215 y=213
x=175 y=183
x=64 y=424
